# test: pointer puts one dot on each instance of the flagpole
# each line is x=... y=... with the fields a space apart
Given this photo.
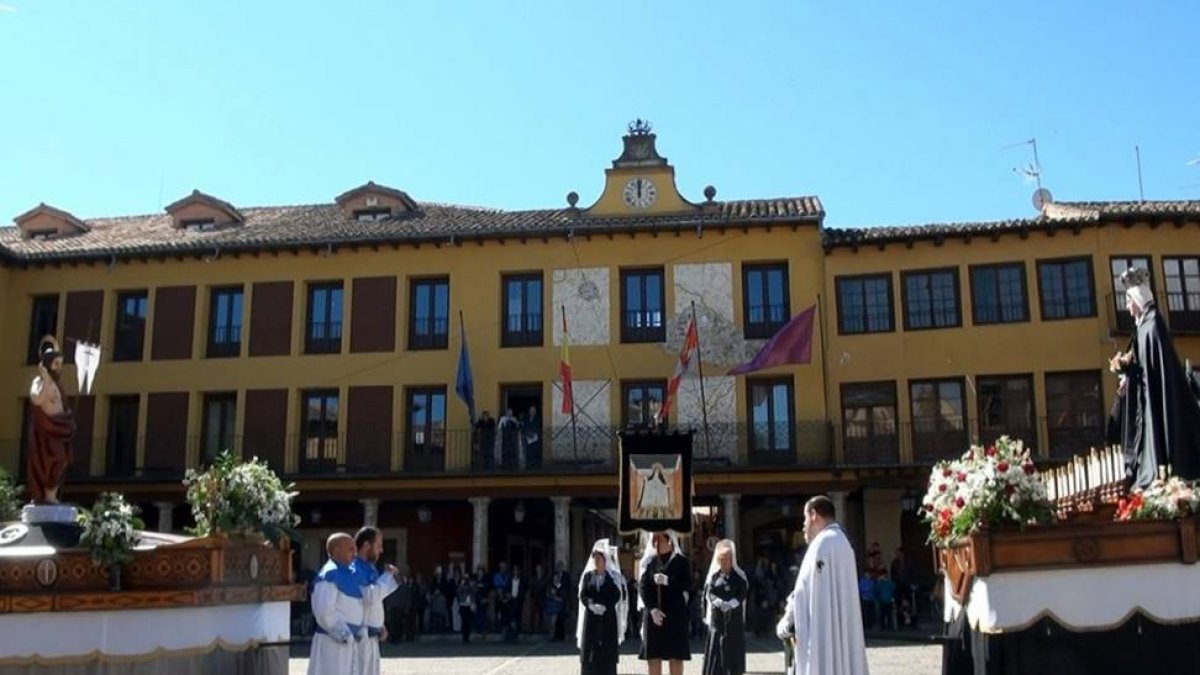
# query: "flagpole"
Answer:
x=700 y=371
x=574 y=434
x=831 y=442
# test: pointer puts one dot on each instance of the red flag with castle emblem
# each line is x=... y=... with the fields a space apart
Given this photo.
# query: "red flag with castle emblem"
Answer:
x=691 y=345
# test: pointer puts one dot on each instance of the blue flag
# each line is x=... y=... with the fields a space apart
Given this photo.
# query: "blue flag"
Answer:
x=464 y=385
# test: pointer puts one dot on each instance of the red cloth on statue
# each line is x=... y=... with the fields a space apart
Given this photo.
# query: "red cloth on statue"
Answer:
x=49 y=451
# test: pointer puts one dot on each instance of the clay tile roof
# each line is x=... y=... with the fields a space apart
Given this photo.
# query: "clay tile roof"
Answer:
x=867 y=236
x=1056 y=215
x=1129 y=208
x=283 y=227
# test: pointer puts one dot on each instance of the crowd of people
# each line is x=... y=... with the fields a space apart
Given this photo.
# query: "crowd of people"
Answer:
x=888 y=594
x=356 y=605
x=505 y=602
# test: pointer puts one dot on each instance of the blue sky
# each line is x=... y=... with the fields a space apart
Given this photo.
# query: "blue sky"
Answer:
x=891 y=112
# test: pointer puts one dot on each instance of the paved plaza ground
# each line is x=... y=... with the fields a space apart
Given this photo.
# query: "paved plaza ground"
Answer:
x=545 y=658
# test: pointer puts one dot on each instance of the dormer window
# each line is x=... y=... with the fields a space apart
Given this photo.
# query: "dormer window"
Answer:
x=42 y=235
x=44 y=222
x=372 y=214
x=199 y=212
x=199 y=224
x=371 y=202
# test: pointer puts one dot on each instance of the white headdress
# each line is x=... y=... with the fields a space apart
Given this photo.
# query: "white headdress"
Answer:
x=612 y=565
x=713 y=567
x=650 y=554
x=1137 y=286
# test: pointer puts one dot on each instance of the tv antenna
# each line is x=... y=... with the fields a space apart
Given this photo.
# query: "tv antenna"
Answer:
x=1141 y=192
x=1031 y=172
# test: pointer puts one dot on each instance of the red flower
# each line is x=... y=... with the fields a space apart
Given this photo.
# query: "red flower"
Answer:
x=1002 y=467
x=1009 y=488
x=929 y=508
x=1029 y=468
x=942 y=487
x=1126 y=508
x=991 y=451
x=960 y=502
x=946 y=472
x=962 y=476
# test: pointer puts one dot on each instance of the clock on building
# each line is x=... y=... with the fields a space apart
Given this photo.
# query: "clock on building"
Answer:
x=640 y=193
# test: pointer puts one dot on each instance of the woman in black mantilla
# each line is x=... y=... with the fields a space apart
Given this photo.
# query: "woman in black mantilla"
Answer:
x=603 y=606
x=664 y=587
x=725 y=589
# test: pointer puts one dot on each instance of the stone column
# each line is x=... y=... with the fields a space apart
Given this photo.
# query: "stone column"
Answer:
x=839 y=506
x=370 y=512
x=730 y=509
x=479 y=539
x=166 y=516
x=562 y=530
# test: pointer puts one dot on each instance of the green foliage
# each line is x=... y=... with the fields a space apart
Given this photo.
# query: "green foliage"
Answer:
x=10 y=498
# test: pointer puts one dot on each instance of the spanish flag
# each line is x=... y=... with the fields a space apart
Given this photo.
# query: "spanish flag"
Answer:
x=564 y=369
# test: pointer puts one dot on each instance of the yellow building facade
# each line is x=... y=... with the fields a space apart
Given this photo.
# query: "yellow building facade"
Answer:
x=327 y=339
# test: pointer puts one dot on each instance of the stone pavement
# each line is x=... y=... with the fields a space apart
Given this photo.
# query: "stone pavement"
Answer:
x=545 y=658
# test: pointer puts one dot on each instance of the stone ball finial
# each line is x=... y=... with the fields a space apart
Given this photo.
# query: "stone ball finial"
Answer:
x=572 y=198
x=710 y=192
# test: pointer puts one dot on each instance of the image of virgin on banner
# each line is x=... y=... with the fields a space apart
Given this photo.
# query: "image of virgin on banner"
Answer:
x=656 y=481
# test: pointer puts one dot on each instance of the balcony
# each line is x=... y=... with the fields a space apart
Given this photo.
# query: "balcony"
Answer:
x=224 y=342
x=1184 y=322
x=1120 y=322
x=323 y=338
x=591 y=449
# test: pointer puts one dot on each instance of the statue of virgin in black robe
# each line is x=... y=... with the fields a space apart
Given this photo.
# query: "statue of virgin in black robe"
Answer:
x=1160 y=422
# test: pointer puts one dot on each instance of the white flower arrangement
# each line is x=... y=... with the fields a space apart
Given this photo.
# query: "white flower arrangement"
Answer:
x=987 y=486
x=239 y=497
x=110 y=529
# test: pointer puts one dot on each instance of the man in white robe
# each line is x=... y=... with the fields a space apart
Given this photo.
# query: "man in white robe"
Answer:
x=824 y=613
x=375 y=587
x=337 y=603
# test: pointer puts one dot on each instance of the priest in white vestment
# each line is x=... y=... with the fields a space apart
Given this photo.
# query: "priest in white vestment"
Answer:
x=337 y=603
x=375 y=587
x=824 y=613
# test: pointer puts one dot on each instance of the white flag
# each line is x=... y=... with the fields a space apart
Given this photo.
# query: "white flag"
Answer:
x=87 y=362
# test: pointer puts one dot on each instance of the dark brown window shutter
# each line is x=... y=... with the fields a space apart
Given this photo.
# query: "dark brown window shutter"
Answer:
x=373 y=318
x=81 y=446
x=174 y=319
x=266 y=426
x=85 y=310
x=369 y=429
x=166 y=433
x=271 y=319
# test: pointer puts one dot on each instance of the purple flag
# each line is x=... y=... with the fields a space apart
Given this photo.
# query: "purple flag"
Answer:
x=792 y=344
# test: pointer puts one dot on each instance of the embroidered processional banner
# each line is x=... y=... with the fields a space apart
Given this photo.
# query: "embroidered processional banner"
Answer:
x=656 y=481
